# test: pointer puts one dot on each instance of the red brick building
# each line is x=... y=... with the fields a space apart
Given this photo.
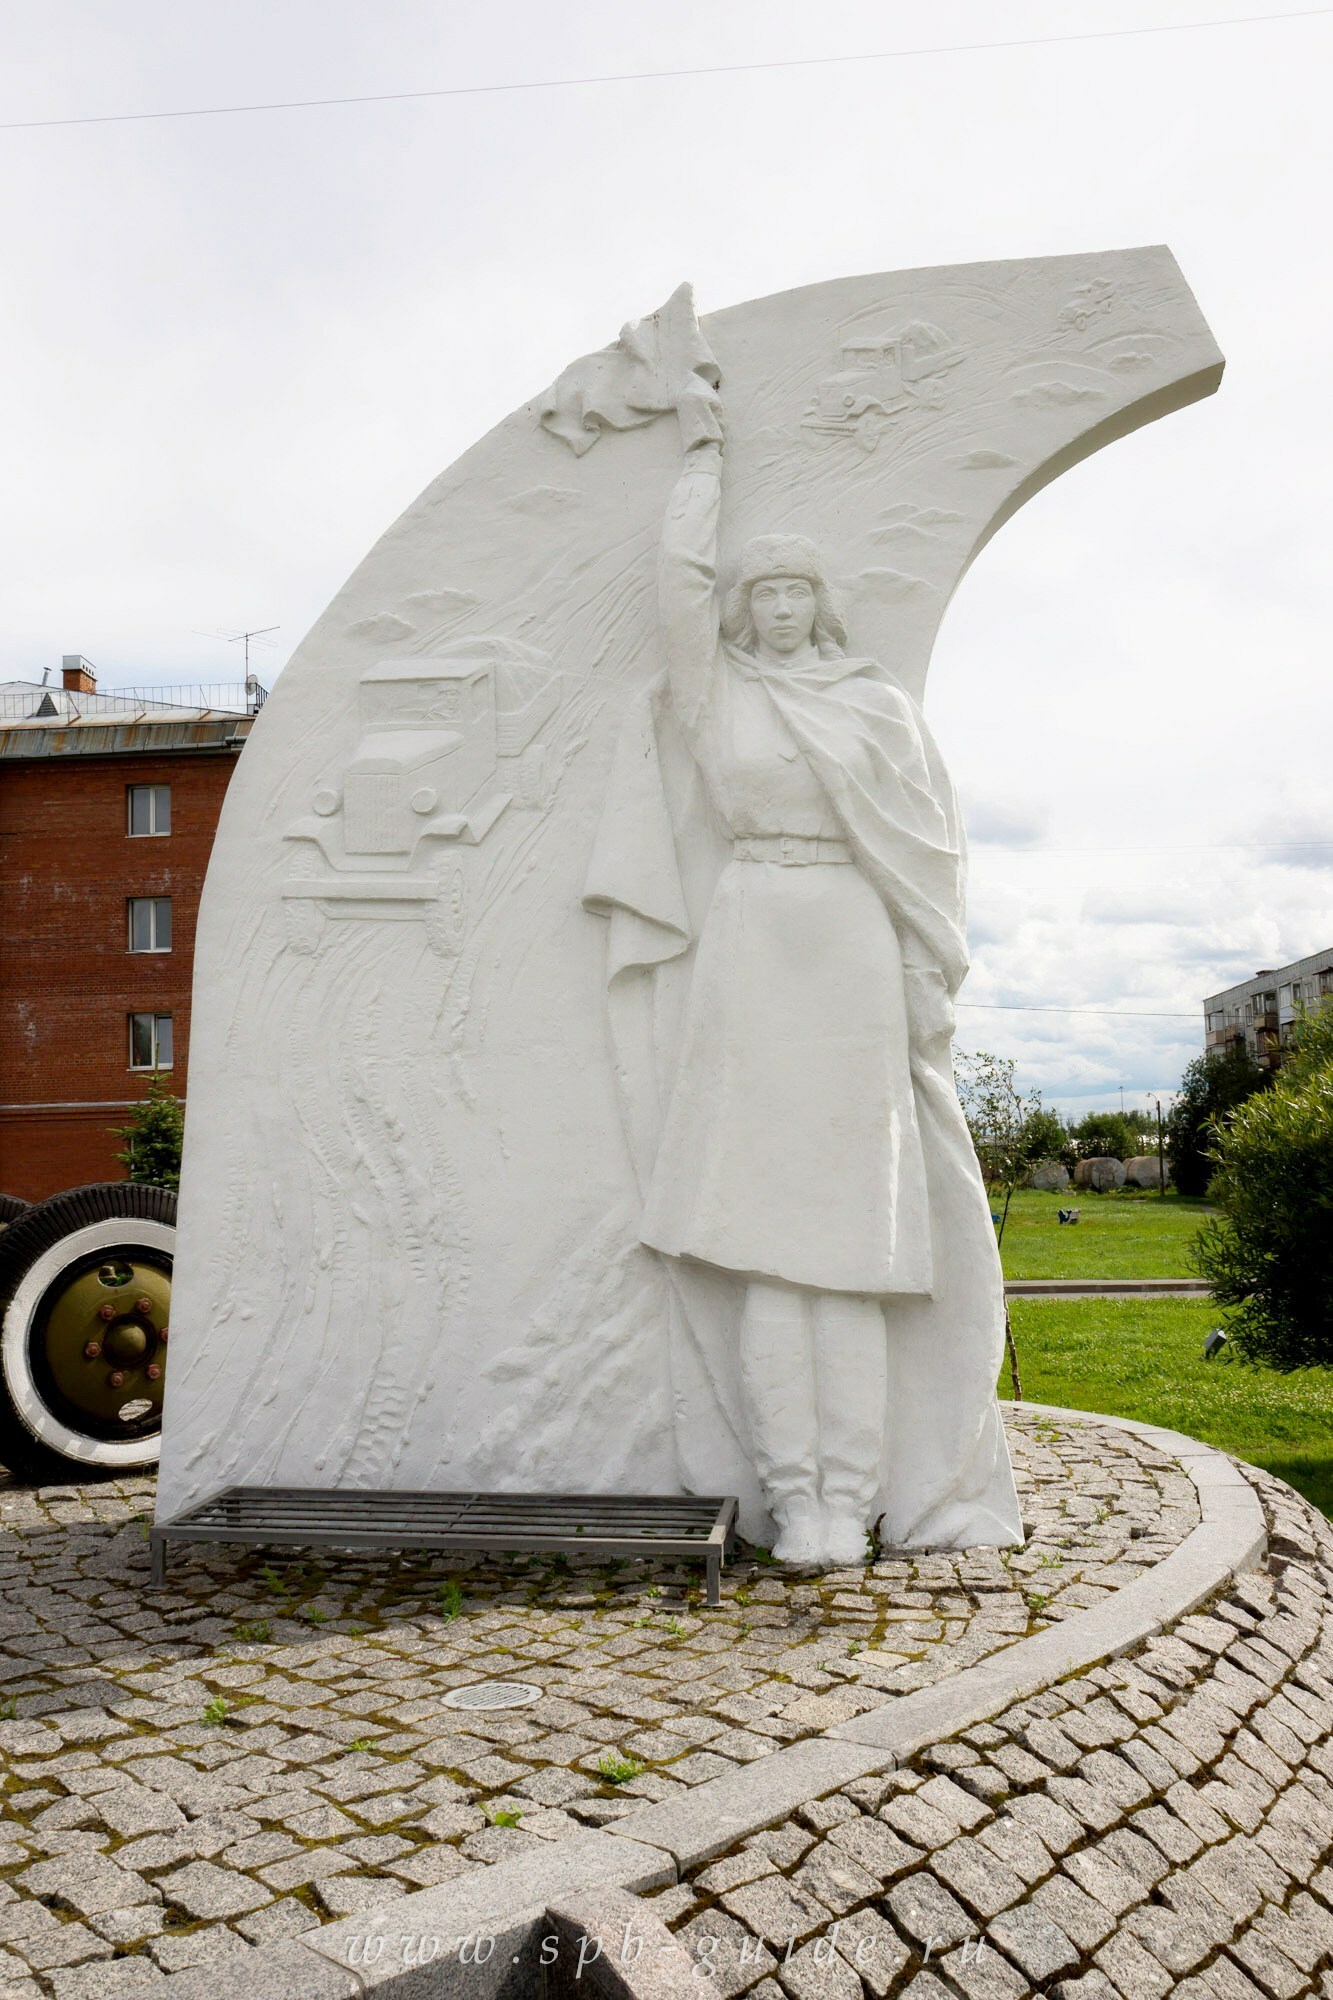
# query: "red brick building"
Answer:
x=108 y=806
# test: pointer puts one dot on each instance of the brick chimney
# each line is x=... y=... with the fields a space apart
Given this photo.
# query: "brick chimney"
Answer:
x=78 y=676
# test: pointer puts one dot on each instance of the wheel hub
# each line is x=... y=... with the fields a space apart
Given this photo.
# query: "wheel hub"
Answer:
x=103 y=1340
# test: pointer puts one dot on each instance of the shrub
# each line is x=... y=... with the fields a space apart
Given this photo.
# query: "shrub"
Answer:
x=1269 y=1254
x=1210 y=1090
x=152 y=1150
x=1107 y=1135
x=1045 y=1136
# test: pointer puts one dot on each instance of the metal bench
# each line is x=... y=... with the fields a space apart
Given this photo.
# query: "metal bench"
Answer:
x=590 y=1524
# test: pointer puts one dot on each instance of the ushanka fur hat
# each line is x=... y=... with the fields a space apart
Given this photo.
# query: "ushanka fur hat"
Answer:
x=782 y=555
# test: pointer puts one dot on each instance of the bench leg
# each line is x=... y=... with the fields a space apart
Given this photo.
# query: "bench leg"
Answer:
x=157 y=1554
x=714 y=1579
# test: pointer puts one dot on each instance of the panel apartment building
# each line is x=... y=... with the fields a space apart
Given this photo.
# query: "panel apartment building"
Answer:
x=108 y=807
x=1258 y=1015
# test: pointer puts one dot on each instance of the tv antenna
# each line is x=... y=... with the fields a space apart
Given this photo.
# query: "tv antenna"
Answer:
x=258 y=632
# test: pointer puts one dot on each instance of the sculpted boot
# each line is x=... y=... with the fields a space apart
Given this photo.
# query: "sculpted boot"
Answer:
x=851 y=1370
x=778 y=1376
x=800 y=1520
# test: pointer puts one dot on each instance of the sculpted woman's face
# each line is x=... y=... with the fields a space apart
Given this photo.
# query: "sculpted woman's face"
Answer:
x=783 y=611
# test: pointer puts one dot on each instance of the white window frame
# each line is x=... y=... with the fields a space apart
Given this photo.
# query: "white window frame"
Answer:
x=142 y=1014
x=153 y=832
x=155 y=905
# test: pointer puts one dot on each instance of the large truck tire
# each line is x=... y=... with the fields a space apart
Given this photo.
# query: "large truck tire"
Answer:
x=11 y=1208
x=85 y=1299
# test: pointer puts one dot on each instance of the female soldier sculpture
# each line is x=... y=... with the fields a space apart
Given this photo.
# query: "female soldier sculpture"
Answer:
x=812 y=1145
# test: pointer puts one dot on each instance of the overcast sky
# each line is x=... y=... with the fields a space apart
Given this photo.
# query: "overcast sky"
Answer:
x=233 y=348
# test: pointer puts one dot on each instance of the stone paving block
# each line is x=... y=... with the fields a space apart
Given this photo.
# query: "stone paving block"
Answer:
x=103 y=1981
x=1224 y=1873
x=87 y=1883
x=876 y=1847
x=821 y=1814
x=1149 y=1763
x=816 y=1972
x=1091 y=1805
x=919 y=1824
x=871 y=1945
x=1268 y=1966
x=277 y=1922
x=1017 y=1847
x=978 y=1877
x=949 y=1799
x=726 y=1959
x=1045 y=1817
x=1132 y=1970
x=926 y=1913
x=784 y=1845
x=1080 y=1916
x=65 y=1945
x=1177 y=1943
x=775 y=1910
x=839 y=1882
x=178 y=1954
x=979 y=1972
x=1049 y=1744
x=131 y=1925
x=1116 y=1775
x=1190 y=1806
x=1100 y=1876
x=206 y=1890
x=429 y=1867
x=1223 y=1980
x=1036 y=1946
x=1303 y=1932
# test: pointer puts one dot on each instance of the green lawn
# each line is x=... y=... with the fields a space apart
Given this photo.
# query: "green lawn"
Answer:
x=1144 y=1358
x=1116 y=1236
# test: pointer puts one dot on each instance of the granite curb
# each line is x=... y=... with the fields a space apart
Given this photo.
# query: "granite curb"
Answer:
x=383 y=1950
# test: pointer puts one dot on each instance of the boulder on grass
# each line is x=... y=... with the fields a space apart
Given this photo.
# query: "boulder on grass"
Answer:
x=1099 y=1175
x=1048 y=1177
x=1143 y=1171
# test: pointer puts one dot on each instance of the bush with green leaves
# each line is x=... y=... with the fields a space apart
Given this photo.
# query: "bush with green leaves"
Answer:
x=1213 y=1085
x=1045 y=1136
x=151 y=1154
x=1108 y=1135
x=1269 y=1254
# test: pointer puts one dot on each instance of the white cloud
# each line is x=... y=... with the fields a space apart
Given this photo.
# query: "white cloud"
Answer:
x=232 y=350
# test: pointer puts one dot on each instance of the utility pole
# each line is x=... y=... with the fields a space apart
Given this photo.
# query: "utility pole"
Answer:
x=1161 y=1154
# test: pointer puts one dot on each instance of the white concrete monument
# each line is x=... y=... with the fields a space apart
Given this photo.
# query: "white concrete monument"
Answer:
x=570 y=1102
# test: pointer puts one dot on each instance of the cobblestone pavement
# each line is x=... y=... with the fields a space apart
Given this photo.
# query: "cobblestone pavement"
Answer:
x=263 y=1747
x=1161 y=1826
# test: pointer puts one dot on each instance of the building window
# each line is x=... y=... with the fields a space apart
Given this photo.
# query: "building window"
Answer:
x=150 y=923
x=150 y=1041
x=149 y=808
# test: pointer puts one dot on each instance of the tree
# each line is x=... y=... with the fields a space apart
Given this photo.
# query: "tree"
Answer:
x=1046 y=1137
x=1006 y=1128
x=1213 y=1085
x=1108 y=1135
x=1269 y=1254
x=152 y=1150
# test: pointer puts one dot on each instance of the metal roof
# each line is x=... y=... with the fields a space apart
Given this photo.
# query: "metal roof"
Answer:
x=29 y=703
x=118 y=739
x=41 y=721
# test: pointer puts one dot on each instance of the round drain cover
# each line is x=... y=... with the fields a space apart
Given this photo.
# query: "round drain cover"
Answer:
x=494 y=1694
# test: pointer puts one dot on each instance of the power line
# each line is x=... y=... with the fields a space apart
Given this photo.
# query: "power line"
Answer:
x=1104 y=1013
x=669 y=75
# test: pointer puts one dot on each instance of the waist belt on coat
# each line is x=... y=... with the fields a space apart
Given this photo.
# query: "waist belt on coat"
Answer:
x=791 y=850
